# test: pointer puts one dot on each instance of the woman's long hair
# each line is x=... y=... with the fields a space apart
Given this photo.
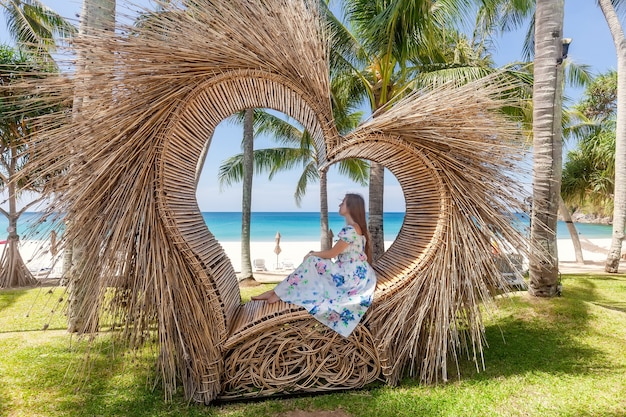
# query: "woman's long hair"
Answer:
x=356 y=207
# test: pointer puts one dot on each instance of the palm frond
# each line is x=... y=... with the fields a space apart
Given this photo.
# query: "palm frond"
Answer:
x=504 y=15
x=355 y=169
x=345 y=52
x=309 y=174
x=577 y=75
x=619 y=5
x=528 y=47
x=456 y=74
x=34 y=25
x=272 y=160
x=284 y=131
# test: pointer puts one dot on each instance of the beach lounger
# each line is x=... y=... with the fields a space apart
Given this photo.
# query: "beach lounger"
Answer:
x=259 y=265
x=287 y=264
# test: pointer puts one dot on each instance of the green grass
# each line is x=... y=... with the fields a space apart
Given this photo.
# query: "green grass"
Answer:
x=559 y=357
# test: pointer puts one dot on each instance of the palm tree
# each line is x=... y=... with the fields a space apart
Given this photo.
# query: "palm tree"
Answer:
x=15 y=128
x=246 y=201
x=589 y=170
x=386 y=36
x=97 y=16
x=547 y=146
x=34 y=27
x=244 y=173
x=619 y=207
x=567 y=218
x=400 y=46
x=502 y=15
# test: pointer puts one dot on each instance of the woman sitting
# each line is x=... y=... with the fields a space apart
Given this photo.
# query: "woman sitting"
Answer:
x=336 y=293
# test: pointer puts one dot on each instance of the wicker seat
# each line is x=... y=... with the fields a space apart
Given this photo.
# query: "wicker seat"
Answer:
x=259 y=327
x=425 y=218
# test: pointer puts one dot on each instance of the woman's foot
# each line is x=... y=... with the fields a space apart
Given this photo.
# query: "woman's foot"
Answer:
x=273 y=298
x=269 y=296
x=265 y=296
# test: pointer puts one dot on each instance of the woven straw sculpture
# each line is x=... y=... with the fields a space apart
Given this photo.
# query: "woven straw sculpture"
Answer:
x=122 y=169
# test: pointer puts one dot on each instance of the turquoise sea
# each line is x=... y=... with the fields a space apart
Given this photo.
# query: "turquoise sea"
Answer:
x=293 y=226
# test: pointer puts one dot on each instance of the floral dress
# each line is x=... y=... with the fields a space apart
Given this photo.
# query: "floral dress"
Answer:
x=335 y=293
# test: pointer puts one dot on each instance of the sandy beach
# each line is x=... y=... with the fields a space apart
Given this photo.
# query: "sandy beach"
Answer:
x=40 y=261
x=594 y=255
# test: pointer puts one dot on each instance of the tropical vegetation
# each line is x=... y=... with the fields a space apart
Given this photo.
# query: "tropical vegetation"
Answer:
x=389 y=49
x=34 y=28
x=589 y=169
x=608 y=8
x=15 y=126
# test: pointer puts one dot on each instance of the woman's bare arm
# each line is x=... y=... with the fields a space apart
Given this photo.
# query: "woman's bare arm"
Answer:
x=339 y=247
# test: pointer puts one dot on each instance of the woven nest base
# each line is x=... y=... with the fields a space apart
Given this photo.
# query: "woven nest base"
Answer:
x=302 y=356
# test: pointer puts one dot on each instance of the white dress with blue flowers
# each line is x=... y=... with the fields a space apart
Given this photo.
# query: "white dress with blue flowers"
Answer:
x=335 y=293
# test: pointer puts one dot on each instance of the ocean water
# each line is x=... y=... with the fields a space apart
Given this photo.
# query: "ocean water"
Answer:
x=293 y=226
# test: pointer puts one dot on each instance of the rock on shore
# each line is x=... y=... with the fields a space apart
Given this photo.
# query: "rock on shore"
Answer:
x=578 y=217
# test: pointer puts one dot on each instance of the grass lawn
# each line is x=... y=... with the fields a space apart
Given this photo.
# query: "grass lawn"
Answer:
x=559 y=357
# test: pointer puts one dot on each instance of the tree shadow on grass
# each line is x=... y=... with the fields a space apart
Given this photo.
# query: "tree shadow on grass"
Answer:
x=534 y=334
x=8 y=297
x=32 y=309
x=604 y=291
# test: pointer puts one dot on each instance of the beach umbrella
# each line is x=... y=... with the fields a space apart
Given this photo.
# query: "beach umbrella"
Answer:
x=277 y=249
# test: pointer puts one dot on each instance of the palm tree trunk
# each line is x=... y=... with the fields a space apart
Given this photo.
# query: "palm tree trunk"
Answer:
x=572 y=231
x=619 y=201
x=13 y=270
x=246 y=203
x=547 y=146
x=375 y=221
x=202 y=159
x=97 y=15
x=326 y=239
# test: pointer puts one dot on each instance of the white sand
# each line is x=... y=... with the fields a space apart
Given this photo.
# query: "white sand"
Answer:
x=40 y=261
x=594 y=254
x=36 y=254
x=291 y=253
x=594 y=250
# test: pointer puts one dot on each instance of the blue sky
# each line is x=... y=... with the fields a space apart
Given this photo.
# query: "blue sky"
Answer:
x=591 y=45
